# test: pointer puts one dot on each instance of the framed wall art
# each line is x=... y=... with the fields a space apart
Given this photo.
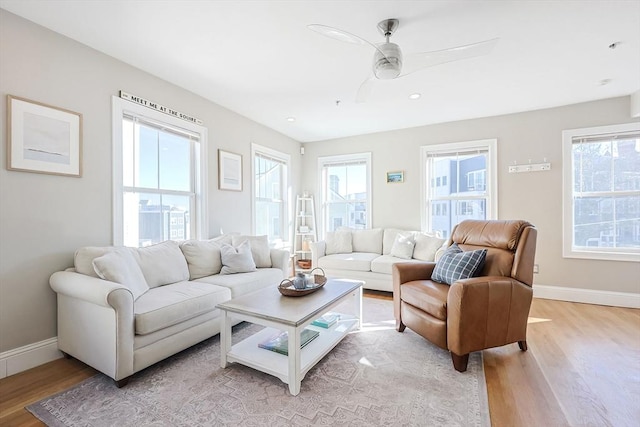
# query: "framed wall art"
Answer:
x=43 y=138
x=229 y=171
x=395 y=177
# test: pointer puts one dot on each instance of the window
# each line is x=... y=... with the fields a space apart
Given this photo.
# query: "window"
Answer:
x=601 y=168
x=345 y=191
x=158 y=176
x=270 y=187
x=465 y=192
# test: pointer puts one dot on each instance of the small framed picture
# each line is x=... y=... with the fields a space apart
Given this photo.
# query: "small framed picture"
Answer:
x=229 y=171
x=43 y=138
x=395 y=177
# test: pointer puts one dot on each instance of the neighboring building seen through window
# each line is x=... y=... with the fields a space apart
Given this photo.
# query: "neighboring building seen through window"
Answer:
x=457 y=187
x=345 y=191
x=602 y=192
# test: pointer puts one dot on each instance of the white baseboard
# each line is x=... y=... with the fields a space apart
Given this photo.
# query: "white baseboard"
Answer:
x=588 y=296
x=27 y=357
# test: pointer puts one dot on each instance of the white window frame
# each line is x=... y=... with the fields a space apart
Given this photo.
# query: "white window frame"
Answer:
x=285 y=190
x=491 y=176
x=568 y=250
x=120 y=107
x=343 y=158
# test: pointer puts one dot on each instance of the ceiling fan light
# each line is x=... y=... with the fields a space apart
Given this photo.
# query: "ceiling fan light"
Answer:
x=387 y=62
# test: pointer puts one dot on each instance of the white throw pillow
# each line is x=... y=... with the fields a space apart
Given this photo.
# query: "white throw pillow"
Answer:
x=389 y=238
x=259 y=249
x=369 y=240
x=203 y=257
x=426 y=246
x=338 y=242
x=403 y=246
x=120 y=266
x=83 y=258
x=163 y=263
x=237 y=259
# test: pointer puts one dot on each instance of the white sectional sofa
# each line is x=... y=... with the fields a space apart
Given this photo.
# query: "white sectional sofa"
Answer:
x=370 y=254
x=121 y=310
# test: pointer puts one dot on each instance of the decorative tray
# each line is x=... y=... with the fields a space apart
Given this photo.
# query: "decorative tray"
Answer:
x=286 y=287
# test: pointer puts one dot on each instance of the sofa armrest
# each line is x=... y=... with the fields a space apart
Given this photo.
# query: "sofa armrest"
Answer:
x=95 y=322
x=317 y=251
x=86 y=288
x=485 y=312
x=280 y=259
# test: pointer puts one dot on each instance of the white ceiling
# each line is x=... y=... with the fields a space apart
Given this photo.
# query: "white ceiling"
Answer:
x=258 y=58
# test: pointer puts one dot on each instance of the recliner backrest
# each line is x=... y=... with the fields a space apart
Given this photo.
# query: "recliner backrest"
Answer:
x=510 y=246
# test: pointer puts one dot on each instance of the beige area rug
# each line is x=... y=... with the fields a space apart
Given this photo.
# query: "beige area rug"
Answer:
x=374 y=377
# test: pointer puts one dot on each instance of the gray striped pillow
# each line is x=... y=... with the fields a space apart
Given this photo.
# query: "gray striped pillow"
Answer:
x=455 y=264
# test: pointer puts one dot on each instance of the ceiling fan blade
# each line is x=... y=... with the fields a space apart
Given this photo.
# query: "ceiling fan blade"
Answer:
x=365 y=89
x=343 y=36
x=419 y=61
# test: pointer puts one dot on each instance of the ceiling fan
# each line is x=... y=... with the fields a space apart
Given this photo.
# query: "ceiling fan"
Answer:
x=388 y=61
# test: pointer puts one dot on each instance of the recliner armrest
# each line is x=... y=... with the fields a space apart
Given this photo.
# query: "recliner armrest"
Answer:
x=404 y=272
x=485 y=312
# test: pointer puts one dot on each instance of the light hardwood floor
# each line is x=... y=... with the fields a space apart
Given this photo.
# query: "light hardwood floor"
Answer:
x=582 y=369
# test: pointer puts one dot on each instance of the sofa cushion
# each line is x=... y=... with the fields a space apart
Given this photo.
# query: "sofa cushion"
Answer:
x=203 y=257
x=384 y=263
x=426 y=246
x=456 y=265
x=355 y=261
x=338 y=242
x=240 y=284
x=121 y=267
x=83 y=258
x=237 y=259
x=403 y=246
x=169 y=305
x=162 y=263
x=260 y=250
x=369 y=240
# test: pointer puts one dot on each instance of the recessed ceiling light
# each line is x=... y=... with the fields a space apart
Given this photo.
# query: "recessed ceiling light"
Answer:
x=291 y=119
x=415 y=96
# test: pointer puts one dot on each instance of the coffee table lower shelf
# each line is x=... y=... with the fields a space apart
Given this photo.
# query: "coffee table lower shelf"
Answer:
x=248 y=353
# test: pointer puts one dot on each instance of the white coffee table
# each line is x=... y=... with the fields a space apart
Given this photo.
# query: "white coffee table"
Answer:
x=269 y=308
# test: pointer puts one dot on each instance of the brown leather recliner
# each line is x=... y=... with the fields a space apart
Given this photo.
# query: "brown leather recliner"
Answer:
x=481 y=312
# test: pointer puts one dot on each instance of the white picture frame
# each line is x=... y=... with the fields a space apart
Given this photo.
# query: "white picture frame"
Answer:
x=229 y=171
x=43 y=138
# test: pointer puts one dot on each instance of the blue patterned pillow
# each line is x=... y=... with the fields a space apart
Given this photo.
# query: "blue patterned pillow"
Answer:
x=455 y=264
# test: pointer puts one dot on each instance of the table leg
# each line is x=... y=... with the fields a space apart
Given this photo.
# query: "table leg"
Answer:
x=225 y=337
x=294 y=360
x=358 y=305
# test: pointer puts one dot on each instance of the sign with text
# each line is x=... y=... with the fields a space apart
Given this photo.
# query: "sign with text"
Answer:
x=158 y=107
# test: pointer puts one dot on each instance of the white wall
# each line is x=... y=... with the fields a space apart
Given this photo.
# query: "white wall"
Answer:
x=536 y=196
x=45 y=218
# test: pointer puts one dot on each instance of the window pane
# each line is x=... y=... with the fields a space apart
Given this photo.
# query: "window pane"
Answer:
x=626 y=165
x=175 y=163
x=627 y=222
x=592 y=171
x=593 y=222
x=147 y=157
x=268 y=219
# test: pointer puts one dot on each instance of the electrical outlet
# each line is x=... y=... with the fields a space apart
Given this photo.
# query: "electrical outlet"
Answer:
x=536 y=269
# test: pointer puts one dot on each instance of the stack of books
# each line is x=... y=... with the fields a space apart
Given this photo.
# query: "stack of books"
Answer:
x=280 y=342
x=327 y=320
